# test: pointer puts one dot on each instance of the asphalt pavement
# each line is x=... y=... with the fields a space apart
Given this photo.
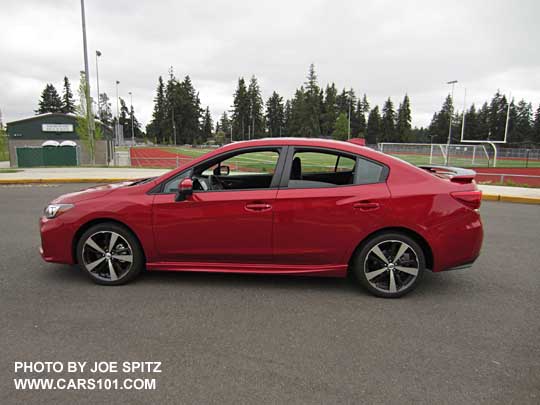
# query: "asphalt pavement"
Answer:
x=462 y=337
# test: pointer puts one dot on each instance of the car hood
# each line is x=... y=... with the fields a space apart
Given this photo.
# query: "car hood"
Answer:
x=90 y=193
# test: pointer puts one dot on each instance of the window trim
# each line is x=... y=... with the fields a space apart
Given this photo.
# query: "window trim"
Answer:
x=274 y=184
x=285 y=175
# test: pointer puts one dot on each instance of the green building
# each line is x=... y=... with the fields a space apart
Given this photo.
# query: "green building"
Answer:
x=34 y=131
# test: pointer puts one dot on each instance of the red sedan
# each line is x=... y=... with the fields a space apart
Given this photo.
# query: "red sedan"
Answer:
x=275 y=206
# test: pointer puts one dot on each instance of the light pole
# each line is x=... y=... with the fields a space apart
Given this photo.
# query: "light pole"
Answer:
x=349 y=133
x=452 y=82
x=89 y=115
x=132 y=128
x=98 y=54
x=464 y=114
x=117 y=115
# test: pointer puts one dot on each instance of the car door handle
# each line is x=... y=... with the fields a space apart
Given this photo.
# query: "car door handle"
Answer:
x=258 y=207
x=366 y=205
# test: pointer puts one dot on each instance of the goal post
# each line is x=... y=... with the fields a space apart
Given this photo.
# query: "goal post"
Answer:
x=438 y=153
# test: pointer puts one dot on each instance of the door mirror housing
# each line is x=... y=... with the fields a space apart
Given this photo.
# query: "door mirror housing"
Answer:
x=222 y=171
x=185 y=189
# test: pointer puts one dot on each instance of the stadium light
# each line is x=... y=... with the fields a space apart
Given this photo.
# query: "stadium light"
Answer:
x=98 y=54
x=89 y=115
x=452 y=82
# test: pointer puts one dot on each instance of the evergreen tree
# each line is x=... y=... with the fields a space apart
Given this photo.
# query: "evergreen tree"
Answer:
x=50 y=101
x=472 y=124
x=329 y=111
x=483 y=123
x=225 y=124
x=287 y=119
x=156 y=128
x=171 y=108
x=403 y=126
x=68 y=104
x=523 y=127
x=240 y=111
x=438 y=128
x=341 y=128
x=535 y=133
x=388 y=122
x=275 y=115
x=256 y=120
x=374 y=127
x=189 y=113
x=298 y=124
x=207 y=125
x=311 y=114
x=105 y=112
x=497 y=116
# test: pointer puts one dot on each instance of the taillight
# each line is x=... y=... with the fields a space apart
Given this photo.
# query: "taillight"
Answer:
x=471 y=199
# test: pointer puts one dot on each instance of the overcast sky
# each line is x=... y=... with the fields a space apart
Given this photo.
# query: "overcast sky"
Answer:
x=382 y=48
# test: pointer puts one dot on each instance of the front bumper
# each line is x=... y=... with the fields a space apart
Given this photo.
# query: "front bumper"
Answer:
x=56 y=241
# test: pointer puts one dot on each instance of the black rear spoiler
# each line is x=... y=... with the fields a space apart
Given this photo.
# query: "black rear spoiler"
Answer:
x=454 y=174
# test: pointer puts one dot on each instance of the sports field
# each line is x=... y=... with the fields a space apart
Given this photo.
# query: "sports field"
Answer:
x=514 y=171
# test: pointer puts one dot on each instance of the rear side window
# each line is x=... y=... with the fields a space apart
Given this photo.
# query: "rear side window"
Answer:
x=368 y=172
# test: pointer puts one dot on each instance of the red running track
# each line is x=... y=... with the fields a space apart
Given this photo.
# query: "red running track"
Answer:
x=154 y=157
x=528 y=181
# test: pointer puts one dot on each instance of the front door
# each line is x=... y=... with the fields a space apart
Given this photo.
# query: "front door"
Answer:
x=228 y=219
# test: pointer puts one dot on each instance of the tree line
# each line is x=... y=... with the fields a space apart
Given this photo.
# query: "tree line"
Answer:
x=178 y=116
x=489 y=122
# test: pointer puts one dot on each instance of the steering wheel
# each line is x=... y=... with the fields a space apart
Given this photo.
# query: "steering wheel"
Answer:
x=215 y=183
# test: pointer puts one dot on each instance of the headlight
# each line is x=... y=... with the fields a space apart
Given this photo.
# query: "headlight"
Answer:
x=53 y=210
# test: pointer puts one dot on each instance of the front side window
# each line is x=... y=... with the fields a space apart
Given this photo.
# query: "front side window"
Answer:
x=241 y=171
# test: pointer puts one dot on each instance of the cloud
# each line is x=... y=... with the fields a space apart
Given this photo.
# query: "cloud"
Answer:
x=382 y=48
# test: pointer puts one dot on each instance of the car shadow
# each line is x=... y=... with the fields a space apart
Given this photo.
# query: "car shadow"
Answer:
x=439 y=284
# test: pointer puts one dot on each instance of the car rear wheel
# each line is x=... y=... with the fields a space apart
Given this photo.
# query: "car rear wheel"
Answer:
x=110 y=254
x=389 y=265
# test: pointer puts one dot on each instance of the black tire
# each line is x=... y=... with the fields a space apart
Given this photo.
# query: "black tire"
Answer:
x=125 y=247
x=378 y=282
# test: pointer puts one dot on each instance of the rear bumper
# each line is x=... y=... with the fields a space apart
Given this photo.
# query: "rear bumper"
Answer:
x=56 y=238
x=459 y=243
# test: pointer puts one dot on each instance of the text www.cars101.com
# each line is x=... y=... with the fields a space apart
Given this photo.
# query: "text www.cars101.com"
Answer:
x=84 y=384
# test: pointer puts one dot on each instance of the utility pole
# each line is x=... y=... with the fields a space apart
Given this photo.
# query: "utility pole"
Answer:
x=453 y=82
x=89 y=115
x=98 y=54
x=132 y=127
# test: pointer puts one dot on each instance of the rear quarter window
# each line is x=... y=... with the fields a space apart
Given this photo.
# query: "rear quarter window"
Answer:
x=368 y=172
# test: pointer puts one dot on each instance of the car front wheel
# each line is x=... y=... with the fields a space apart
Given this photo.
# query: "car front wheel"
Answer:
x=389 y=265
x=110 y=254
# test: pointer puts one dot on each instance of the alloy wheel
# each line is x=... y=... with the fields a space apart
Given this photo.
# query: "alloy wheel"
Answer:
x=107 y=255
x=391 y=266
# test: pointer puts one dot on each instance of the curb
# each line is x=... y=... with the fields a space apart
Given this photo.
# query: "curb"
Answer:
x=76 y=180
x=511 y=199
x=485 y=197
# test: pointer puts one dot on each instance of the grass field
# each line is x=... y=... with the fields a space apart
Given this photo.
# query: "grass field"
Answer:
x=415 y=159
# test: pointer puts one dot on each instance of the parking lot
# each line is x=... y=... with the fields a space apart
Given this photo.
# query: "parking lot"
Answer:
x=462 y=337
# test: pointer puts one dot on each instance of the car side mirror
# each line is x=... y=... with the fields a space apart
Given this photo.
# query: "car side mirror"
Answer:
x=222 y=171
x=185 y=189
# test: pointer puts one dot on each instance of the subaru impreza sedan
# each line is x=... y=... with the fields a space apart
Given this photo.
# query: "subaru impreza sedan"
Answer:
x=275 y=206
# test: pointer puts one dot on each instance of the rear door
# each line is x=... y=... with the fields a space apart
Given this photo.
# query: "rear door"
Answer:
x=328 y=207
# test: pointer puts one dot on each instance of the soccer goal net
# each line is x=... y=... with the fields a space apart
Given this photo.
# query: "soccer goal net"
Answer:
x=437 y=154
